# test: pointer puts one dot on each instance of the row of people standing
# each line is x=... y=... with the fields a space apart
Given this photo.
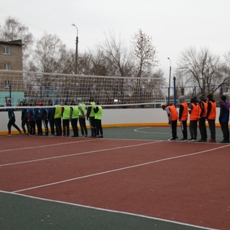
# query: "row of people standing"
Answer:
x=71 y=114
x=198 y=112
x=59 y=118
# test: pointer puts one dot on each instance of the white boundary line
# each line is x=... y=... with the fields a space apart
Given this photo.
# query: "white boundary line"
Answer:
x=120 y=169
x=109 y=210
x=138 y=130
x=76 y=154
x=44 y=146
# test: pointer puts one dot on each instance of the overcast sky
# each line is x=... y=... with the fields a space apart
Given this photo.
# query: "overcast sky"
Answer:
x=174 y=25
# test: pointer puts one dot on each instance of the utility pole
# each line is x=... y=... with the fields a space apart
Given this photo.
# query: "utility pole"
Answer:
x=76 y=51
x=170 y=72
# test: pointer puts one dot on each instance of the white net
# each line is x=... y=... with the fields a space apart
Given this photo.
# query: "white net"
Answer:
x=33 y=87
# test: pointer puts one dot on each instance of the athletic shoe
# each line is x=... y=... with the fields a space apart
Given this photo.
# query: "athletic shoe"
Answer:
x=201 y=140
x=184 y=139
x=224 y=141
x=193 y=140
x=8 y=135
x=212 y=141
x=172 y=139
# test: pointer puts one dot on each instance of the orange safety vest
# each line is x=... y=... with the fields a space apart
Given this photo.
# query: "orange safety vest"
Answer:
x=212 y=114
x=184 y=116
x=173 y=112
x=195 y=112
x=205 y=108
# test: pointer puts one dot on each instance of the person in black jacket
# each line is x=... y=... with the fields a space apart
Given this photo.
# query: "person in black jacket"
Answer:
x=224 y=118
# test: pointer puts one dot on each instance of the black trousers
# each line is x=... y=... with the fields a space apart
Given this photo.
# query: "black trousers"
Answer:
x=32 y=127
x=92 y=126
x=99 y=129
x=193 y=129
x=74 y=127
x=39 y=126
x=51 y=122
x=202 y=128
x=184 y=129
x=26 y=123
x=225 y=130
x=45 y=124
x=57 y=122
x=83 y=126
x=10 y=124
x=65 y=123
x=212 y=128
x=174 y=128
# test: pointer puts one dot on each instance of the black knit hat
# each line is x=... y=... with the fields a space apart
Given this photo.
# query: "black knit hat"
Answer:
x=223 y=98
x=201 y=97
x=210 y=96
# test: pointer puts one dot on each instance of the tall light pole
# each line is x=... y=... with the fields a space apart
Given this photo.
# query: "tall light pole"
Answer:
x=170 y=71
x=76 y=52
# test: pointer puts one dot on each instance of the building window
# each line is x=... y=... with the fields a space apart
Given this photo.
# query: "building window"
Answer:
x=6 y=50
x=7 y=84
x=6 y=66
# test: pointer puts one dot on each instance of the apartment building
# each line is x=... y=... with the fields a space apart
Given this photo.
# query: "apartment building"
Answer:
x=11 y=84
x=11 y=55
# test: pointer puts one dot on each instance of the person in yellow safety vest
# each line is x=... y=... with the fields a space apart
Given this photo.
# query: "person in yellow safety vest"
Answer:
x=57 y=118
x=82 y=114
x=65 y=119
x=74 y=114
x=90 y=116
x=98 y=118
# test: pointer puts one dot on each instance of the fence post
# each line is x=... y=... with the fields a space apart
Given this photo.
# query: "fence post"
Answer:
x=174 y=87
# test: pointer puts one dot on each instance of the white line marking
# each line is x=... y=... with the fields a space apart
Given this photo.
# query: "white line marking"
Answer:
x=120 y=169
x=76 y=154
x=138 y=130
x=44 y=146
x=108 y=210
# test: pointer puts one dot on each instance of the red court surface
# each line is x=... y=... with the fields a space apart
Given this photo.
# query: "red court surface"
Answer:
x=177 y=181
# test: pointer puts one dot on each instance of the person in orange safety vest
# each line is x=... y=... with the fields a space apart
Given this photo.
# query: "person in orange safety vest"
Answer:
x=183 y=116
x=172 y=119
x=211 y=117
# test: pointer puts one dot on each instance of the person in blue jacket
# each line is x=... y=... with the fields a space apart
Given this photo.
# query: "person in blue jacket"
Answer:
x=38 y=120
x=24 y=118
x=224 y=118
x=44 y=117
x=31 y=119
x=12 y=120
x=50 y=111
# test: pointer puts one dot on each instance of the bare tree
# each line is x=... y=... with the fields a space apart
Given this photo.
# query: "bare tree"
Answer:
x=144 y=54
x=51 y=56
x=118 y=58
x=202 y=69
x=14 y=30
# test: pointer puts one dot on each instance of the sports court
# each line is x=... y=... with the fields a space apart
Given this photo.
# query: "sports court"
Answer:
x=131 y=179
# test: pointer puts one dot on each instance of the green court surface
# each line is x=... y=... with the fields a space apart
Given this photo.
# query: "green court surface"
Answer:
x=151 y=133
x=26 y=213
